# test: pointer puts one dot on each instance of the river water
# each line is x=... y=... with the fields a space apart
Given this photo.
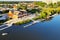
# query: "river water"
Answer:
x=46 y=30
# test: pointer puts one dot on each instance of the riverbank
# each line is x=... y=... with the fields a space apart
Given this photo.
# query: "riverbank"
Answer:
x=45 y=14
x=35 y=18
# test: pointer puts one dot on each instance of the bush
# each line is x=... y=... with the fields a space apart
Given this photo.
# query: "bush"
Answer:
x=5 y=11
x=22 y=22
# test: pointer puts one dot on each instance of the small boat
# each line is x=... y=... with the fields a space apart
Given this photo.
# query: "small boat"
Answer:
x=4 y=34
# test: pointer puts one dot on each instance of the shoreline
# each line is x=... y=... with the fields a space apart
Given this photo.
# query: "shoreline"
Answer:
x=27 y=21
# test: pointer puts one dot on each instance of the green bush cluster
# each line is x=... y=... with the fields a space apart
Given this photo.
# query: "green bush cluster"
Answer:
x=22 y=22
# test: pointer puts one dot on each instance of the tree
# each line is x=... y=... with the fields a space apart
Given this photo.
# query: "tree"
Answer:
x=42 y=4
x=43 y=15
x=50 y=5
x=58 y=3
x=22 y=6
x=55 y=5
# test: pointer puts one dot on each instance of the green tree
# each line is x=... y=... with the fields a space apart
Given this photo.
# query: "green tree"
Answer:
x=22 y=6
x=42 y=4
x=58 y=3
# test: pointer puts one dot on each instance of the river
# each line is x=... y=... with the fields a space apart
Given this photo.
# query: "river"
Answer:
x=46 y=30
